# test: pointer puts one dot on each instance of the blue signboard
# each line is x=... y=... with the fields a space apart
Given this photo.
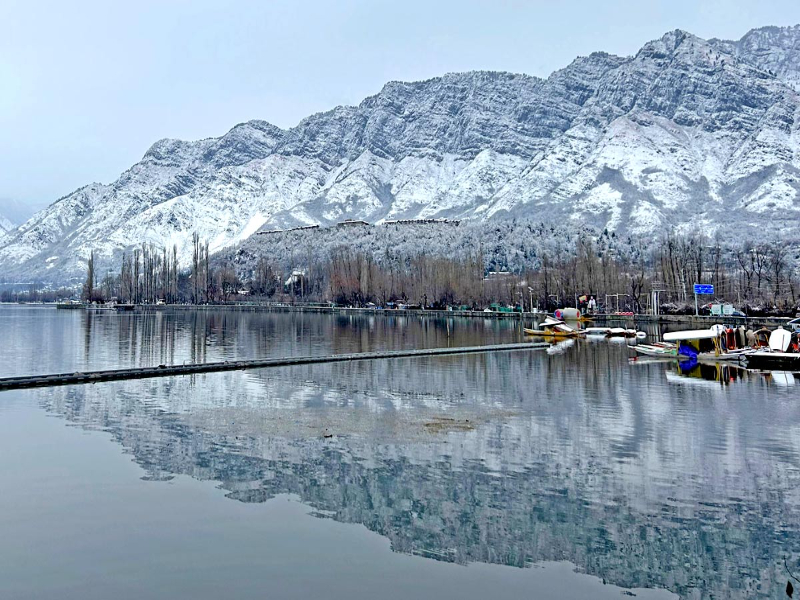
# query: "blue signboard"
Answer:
x=703 y=288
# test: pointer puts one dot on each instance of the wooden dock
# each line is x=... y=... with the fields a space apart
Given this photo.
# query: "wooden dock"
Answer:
x=56 y=379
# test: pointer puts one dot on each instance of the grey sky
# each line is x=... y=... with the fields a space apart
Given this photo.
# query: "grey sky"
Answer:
x=87 y=87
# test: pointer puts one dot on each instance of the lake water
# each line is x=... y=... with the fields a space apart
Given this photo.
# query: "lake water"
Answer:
x=564 y=474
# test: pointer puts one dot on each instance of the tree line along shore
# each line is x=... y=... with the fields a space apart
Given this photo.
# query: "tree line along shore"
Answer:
x=523 y=266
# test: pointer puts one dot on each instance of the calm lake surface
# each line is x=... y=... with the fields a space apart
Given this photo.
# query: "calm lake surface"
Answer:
x=571 y=473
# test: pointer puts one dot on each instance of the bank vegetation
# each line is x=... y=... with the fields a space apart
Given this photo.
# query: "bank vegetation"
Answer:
x=517 y=264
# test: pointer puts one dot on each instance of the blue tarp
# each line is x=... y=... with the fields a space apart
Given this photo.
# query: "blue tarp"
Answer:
x=689 y=352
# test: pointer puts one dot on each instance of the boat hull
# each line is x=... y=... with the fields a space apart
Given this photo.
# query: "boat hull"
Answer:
x=783 y=361
x=553 y=335
x=732 y=356
x=659 y=351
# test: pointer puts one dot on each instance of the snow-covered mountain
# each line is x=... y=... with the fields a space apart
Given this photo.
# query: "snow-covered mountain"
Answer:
x=687 y=133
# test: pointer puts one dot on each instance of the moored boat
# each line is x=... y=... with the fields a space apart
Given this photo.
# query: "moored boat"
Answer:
x=70 y=305
x=554 y=329
x=625 y=333
x=614 y=332
x=777 y=355
x=553 y=334
x=764 y=360
x=706 y=345
x=664 y=351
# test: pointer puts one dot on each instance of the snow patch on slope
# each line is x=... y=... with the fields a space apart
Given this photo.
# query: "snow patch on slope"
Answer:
x=602 y=200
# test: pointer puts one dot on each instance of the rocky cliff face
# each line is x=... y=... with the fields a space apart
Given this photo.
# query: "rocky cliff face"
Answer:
x=772 y=49
x=687 y=133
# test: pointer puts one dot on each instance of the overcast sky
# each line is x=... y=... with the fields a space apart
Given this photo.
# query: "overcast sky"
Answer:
x=87 y=87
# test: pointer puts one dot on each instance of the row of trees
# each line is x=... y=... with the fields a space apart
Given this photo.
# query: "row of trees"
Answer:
x=749 y=272
x=149 y=274
x=760 y=276
x=355 y=278
x=146 y=274
x=35 y=293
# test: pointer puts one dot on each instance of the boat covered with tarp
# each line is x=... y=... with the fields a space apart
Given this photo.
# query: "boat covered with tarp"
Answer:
x=716 y=344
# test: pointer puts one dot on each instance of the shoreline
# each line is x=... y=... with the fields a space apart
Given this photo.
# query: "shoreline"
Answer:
x=701 y=321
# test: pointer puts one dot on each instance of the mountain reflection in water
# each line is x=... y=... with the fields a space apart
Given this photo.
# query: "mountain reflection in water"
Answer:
x=507 y=458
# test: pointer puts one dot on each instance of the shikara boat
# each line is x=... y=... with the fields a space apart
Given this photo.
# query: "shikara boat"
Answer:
x=776 y=357
x=614 y=332
x=554 y=334
x=784 y=361
x=626 y=333
x=661 y=350
x=704 y=345
x=554 y=330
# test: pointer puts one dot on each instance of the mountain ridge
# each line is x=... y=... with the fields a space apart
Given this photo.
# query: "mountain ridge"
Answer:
x=686 y=133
